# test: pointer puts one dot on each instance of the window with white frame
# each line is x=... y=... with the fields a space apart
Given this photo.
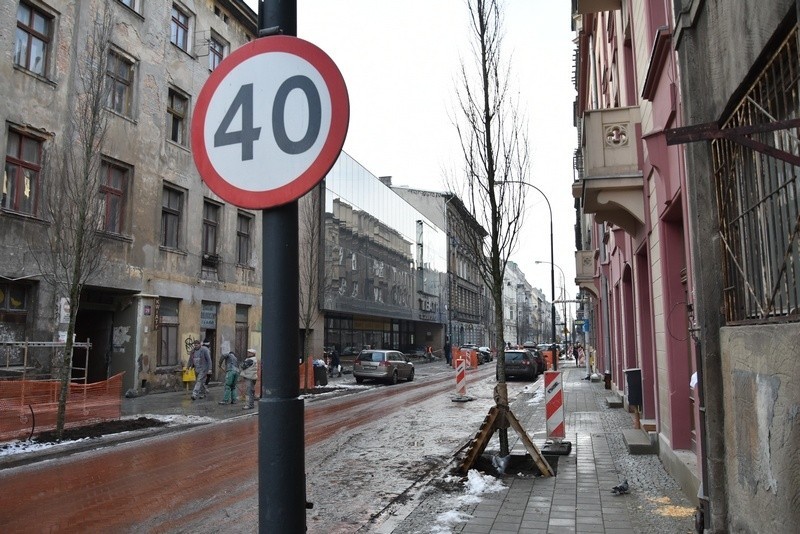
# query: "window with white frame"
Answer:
x=32 y=43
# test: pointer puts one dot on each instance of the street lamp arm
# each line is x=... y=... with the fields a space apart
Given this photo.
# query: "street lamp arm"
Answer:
x=552 y=264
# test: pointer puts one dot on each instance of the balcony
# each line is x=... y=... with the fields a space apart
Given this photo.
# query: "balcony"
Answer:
x=596 y=6
x=584 y=270
x=611 y=186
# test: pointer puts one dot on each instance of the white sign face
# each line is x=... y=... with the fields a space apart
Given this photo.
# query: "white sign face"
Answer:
x=270 y=122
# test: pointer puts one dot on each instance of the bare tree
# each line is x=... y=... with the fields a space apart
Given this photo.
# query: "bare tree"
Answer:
x=493 y=138
x=310 y=275
x=72 y=203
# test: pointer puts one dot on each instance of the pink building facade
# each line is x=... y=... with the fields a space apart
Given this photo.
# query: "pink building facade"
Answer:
x=633 y=262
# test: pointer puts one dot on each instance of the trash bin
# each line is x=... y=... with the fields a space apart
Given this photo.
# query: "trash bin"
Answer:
x=607 y=379
x=320 y=375
x=633 y=378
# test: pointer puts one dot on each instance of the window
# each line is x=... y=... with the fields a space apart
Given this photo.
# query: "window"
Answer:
x=119 y=82
x=171 y=210
x=216 y=51
x=759 y=196
x=33 y=39
x=13 y=298
x=177 y=107
x=113 y=195
x=210 y=227
x=244 y=223
x=167 y=332
x=179 y=29
x=133 y=4
x=21 y=182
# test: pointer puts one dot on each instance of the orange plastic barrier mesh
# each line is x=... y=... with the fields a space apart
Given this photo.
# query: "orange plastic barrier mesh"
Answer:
x=31 y=406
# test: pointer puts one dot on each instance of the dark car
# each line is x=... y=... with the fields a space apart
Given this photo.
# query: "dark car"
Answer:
x=541 y=365
x=386 y=365
x=520 y=362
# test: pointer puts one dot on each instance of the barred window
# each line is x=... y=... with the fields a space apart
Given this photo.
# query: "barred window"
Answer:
x=759 y=195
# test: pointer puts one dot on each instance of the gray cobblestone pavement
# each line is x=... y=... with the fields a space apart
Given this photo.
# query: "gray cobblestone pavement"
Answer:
x=579 y=498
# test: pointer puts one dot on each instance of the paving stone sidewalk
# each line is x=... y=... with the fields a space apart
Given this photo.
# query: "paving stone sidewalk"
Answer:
x=579 y=499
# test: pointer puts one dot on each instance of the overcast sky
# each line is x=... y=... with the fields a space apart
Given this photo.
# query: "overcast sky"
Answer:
x=400 y=59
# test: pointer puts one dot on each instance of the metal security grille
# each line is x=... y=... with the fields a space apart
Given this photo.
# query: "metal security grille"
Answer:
x=758 y=194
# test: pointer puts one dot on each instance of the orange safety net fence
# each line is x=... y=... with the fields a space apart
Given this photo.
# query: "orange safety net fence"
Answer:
x=31 y=406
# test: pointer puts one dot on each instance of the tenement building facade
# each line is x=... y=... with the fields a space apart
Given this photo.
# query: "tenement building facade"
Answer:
x=180 y=264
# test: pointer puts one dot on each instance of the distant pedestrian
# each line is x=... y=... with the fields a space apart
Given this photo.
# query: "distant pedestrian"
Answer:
x=335 y=364
x=231 y=366
x=200 y=361
x=250 y=375
x=447 y=349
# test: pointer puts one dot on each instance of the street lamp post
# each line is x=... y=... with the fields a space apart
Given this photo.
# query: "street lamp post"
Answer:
x=552 y=269
x=563 y=290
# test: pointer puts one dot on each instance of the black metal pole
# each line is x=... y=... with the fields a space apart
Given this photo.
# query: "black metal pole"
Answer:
x=552 y=289
x=281 y=440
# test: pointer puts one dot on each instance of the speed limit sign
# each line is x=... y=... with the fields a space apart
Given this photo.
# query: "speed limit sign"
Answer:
x=270 y=122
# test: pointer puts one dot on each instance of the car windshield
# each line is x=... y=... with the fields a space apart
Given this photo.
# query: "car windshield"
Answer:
x=515 y=356
x=371 y=356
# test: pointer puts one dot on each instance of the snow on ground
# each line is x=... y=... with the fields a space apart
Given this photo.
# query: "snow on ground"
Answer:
x=476 y=485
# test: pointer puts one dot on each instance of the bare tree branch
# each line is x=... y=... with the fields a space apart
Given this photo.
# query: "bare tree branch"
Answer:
x=310 y=276
x=72 y=203
x=493 y=140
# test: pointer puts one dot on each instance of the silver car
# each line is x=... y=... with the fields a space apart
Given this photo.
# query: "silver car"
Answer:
x=386 y=365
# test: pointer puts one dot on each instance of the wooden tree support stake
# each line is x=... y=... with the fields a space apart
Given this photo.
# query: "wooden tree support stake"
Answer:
x=495 y=420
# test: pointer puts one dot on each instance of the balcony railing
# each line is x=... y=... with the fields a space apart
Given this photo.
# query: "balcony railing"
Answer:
x=612 y=184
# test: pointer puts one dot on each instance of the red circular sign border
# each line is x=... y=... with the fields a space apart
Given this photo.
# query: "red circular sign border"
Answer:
x=340 y=117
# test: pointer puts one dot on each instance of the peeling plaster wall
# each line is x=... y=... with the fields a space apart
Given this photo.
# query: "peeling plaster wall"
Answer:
x=762 y=426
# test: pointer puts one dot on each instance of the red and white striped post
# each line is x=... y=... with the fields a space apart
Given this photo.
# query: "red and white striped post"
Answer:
x=554 y=410
x=461 y=378
x=554 y=405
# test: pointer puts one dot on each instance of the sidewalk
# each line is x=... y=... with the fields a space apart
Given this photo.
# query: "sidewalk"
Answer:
x=181 y=403
x=579 y=498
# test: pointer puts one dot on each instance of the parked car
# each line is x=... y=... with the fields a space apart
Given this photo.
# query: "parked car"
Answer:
x=541 y=365
x=520 y=362
x=385 y=365
x=487 y=354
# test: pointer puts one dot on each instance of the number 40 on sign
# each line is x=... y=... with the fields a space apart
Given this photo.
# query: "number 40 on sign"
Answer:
x=270 y=122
